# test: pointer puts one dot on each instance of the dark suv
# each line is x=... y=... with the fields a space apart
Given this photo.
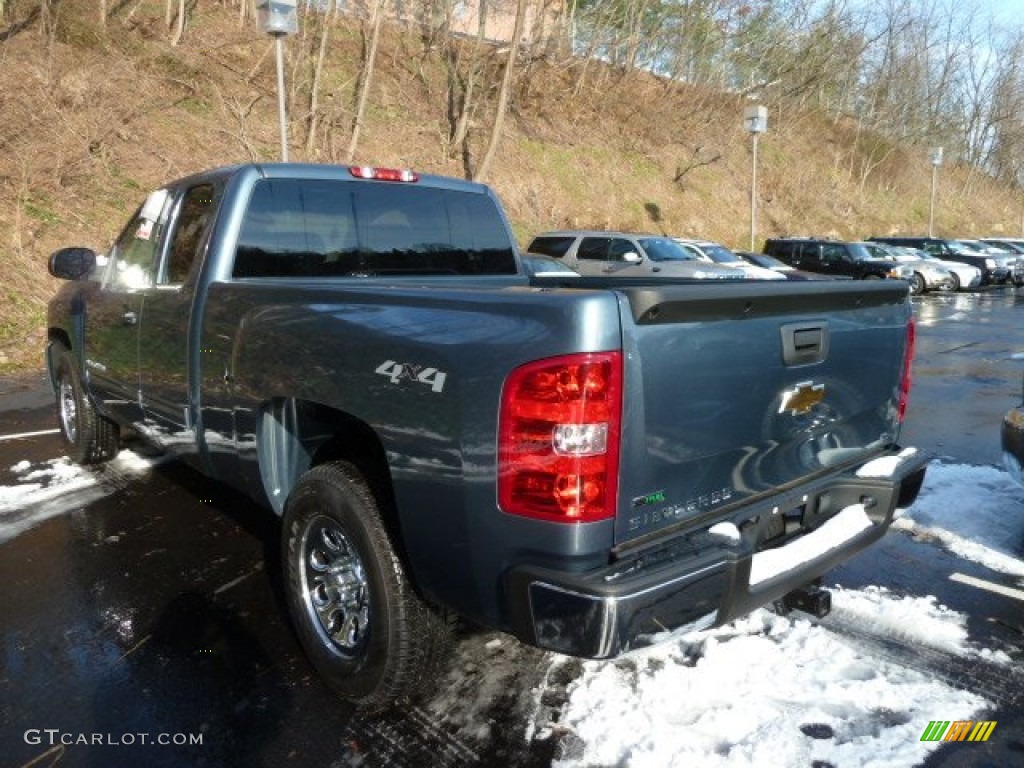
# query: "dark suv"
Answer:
x=834 y=257
x=991 y=272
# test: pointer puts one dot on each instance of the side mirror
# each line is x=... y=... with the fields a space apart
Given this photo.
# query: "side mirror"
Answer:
x=631 y=257
x=72 y=263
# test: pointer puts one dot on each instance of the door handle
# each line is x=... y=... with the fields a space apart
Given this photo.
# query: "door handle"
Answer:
x=130 y=318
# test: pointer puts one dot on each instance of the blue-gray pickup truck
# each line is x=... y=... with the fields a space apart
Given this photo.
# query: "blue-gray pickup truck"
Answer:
x=1012 y=435
x=582 y=462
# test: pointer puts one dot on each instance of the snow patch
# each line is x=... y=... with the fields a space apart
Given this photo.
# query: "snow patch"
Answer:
x=52 y=487
x=833 y=534
x=975 y=512
x=763 y=691
x=886 y=465
x=921 y=620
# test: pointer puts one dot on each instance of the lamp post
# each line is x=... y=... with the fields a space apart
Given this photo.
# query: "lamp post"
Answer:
x=755 y=120
x=935 y=155
x=279 y=18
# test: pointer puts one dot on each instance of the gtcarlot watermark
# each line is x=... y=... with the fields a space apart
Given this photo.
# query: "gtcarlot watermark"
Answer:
x=52 y=737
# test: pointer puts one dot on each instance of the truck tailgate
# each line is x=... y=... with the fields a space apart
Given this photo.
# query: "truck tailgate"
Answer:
x=747 y=390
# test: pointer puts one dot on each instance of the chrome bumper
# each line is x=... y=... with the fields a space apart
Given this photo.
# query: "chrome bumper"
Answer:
x=698 y=578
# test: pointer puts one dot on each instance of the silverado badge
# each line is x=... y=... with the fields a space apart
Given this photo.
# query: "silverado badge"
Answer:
x=802 y=398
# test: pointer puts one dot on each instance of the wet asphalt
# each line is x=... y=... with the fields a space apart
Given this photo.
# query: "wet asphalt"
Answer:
x=149 y=608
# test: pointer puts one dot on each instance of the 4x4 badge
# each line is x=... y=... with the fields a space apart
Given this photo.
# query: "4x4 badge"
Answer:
x=800 y=400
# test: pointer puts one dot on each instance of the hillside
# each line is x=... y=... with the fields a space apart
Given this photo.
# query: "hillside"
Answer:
x=92 y=118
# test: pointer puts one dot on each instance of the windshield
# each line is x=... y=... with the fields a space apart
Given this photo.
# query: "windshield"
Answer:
x=859 y=252
x=664 y=249
x=721 y=254
x=764 y=260
x=966 y=246
x=913 y=254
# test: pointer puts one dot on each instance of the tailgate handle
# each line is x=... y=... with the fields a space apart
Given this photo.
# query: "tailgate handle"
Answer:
x=804 y=343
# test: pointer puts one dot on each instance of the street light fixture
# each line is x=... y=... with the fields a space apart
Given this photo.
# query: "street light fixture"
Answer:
x=935 y=155
x=279 y=18
x=755 y=120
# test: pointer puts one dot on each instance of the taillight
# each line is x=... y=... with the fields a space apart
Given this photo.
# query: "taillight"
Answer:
x=383 y=174
x=558 y=438
x=908 y=357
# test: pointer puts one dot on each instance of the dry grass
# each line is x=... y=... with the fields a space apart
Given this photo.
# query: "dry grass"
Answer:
x=91 y=122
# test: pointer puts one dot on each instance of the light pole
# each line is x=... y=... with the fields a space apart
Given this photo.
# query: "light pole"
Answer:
x=279 y=18
x=935 y=154
x=755 y=120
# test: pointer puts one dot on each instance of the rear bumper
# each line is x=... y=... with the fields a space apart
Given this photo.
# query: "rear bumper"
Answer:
x=700 y=579
x=1013 y=443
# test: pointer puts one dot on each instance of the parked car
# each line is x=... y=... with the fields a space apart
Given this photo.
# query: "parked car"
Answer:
x=928 y=275
x=835 y=257
x=784 y=269
x=1005 y=256
x=545 y=267
x=991 y=272
x=1015 y=244
x=596 y=252
x=1013 y=440
x=964 y=276
x=710 y=251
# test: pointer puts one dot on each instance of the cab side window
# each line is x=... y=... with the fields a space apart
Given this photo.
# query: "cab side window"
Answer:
x=133 y=255
x=619 y=248
x=197 y=208
x=833 y=254
x=593 y=249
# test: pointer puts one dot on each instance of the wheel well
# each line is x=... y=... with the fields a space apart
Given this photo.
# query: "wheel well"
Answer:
x=297 y=435
x=59 y=335
x=55 y=336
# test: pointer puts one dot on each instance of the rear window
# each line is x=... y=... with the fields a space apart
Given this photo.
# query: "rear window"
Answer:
x=305 y=228
x=784 y=250
x=556 y=247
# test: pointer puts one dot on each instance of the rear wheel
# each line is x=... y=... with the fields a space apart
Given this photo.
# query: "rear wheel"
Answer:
x=360 y=622
x=88 y=437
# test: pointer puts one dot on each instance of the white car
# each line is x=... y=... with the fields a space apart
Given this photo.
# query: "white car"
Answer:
x=964 y=275
x=705 y=250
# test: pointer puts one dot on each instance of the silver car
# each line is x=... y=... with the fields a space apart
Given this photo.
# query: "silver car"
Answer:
x=928 y=275
x=964 y=275
x=596 y=252
x=709 y=251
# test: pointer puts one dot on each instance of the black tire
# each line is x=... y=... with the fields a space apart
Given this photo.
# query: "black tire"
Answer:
x=88 y=437
x=956 y=282
x=917 y=284
x=363 y=627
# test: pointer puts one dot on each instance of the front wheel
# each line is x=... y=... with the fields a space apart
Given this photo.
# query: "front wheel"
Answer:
x=360 y=622
x=917 y=284
x=88 y=437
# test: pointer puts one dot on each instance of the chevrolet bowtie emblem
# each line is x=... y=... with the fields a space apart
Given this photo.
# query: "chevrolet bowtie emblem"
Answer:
x=800 y=400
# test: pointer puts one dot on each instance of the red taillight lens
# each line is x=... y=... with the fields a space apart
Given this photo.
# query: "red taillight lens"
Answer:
x=383 y=174
x=558 y=438
x=908 y=357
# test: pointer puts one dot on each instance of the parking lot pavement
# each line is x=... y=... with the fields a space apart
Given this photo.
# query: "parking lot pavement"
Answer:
x=141 y=602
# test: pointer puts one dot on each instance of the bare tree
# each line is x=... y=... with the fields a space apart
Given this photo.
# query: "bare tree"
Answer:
x=363 y=91
x=462 y=90
x=325 y=20
x=503 y=94
x=180 y=30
